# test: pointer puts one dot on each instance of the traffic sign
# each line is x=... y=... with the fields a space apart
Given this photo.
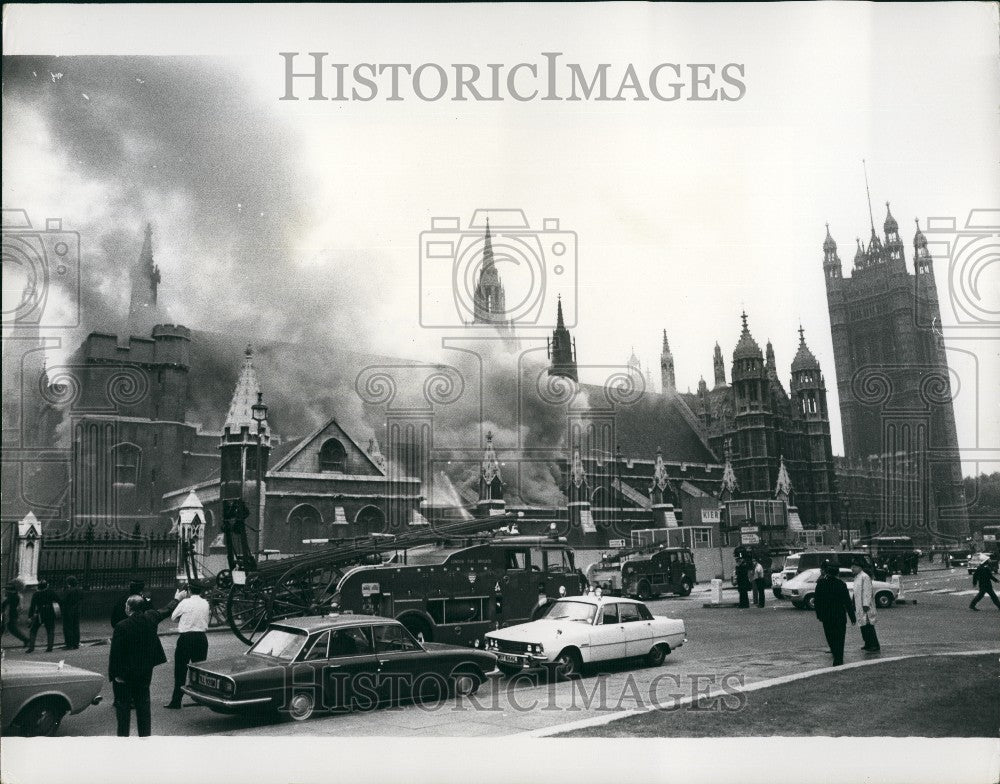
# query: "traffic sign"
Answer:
x=750 y=539
x=618 y=543
x=749 y=529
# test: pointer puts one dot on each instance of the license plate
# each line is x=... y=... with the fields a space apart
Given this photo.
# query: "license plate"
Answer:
x=508 y=658
x=209 y=681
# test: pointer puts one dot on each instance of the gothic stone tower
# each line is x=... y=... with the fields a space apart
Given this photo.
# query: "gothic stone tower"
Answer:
x=756 y=458
x=893 y=382
x=143 y=313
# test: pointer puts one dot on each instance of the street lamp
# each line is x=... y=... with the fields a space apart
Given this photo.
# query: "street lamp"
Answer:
x=259 y=413
x=847 y=521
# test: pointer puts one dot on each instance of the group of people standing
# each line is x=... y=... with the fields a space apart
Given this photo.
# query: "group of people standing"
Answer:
x=42 y=613
x=136 y=650
x=751 y=576
x=834 y=606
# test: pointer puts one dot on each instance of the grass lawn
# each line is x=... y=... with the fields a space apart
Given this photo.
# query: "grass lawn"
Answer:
x=930 y=696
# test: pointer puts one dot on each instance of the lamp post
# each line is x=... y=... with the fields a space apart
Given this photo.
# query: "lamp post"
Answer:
x=618 y=470
x=847 y=521
x=259 y=413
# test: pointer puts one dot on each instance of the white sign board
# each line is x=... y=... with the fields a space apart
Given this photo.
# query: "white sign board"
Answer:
x=619 y=543
x=749 y=529
x=749 y=539
x=369 y=589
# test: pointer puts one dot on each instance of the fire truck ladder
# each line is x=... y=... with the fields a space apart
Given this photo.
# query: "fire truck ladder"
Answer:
x=305 y=584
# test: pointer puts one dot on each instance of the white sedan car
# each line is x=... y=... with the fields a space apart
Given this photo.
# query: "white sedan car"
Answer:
x=579 y=630
x=801 y=589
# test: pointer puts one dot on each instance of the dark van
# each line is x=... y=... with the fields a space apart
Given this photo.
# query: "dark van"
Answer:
x=895 y=554
x=645 y=574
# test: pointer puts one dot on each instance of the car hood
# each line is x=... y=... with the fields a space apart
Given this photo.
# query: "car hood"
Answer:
x=44 y=671
x=533 y=631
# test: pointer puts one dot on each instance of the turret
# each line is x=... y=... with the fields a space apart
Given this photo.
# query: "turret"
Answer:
x=491 y=501
x=749 y=373
x=893 y=244
x=578 y=493
x=662 y=496
x=923 y=263
x=831 y=261
x=808 y=388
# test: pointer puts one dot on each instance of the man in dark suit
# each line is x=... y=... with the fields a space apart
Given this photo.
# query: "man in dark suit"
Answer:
x=983 y=579
x=70 y=606
x=743 y=584
x=833 y=608
x=135 y=650
x=42 y=612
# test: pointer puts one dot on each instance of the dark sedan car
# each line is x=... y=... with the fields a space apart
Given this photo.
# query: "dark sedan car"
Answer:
x=336 y=662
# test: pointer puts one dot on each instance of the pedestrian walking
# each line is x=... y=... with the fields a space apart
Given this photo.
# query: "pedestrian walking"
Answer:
x=983 y=579
x=42 y=612
x=11 y=609
x=135 y=588
x=135 y=650
x=758 y=582
x=833 y=608
x=192 y=616
x=864 y=607
x=743 y=582
x=70 y=605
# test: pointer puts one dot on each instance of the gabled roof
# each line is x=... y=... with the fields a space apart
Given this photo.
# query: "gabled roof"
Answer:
x=287 y=458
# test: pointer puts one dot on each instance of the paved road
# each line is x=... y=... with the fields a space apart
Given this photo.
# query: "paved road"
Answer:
x=725 y=643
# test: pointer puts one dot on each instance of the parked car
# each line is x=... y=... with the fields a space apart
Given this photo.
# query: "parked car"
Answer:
x=801 y=589
x=958 y=558
x=796 y=563
x=36 y=695
x=335 y=662
x=580 y=630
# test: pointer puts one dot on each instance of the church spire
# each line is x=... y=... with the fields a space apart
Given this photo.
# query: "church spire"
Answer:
x=667 y=380
x=783 y=487
x=245 y=396
x=489 y=303
x=143 y=313
x=561 y=348
x=720 y=366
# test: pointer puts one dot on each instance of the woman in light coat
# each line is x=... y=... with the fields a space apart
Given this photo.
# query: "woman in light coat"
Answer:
x=864 y=607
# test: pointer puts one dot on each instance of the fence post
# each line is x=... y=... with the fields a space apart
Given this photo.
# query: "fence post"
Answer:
x=88 y=549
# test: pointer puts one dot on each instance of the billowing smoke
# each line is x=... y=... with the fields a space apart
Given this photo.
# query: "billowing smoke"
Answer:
x=109 y=144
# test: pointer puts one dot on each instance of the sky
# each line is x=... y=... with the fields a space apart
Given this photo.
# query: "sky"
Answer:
x=302 y=220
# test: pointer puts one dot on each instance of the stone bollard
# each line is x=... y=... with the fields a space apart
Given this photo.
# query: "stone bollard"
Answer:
x=715 y=591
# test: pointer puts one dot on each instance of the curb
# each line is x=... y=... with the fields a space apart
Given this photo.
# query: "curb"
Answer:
x=597 y=721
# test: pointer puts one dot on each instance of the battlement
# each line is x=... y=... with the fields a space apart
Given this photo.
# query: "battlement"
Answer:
x=168 y=346
x=171 y=331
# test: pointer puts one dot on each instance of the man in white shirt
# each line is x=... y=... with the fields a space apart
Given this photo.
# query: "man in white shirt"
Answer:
x=192 y=616
x=759 y=582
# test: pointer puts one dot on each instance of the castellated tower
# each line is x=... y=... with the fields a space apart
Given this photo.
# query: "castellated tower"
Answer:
x=893 y=383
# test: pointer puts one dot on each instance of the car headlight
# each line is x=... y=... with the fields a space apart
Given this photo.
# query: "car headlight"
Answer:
x=228 y=688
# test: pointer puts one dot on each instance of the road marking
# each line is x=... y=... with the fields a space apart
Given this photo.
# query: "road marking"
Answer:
x=966 y=593
x=597 y=721
x=943 y=590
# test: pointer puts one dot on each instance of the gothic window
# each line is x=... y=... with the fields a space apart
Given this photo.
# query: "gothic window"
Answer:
x=126 y=460
x=371 y=518
x=305 y=522
x=333 y=457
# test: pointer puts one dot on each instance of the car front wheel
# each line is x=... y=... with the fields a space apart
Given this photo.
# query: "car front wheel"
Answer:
x=42 y=717
x=883 y=600
x=567 y=665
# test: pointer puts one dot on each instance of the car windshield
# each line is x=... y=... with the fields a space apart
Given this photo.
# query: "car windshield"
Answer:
x=791 y=562
x=572 y=611
x=279 y=643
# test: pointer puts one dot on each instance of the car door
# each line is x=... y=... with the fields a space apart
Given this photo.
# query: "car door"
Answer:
x=638 y=632
x=399 y=659
x=349 y=673
x=607 y=638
